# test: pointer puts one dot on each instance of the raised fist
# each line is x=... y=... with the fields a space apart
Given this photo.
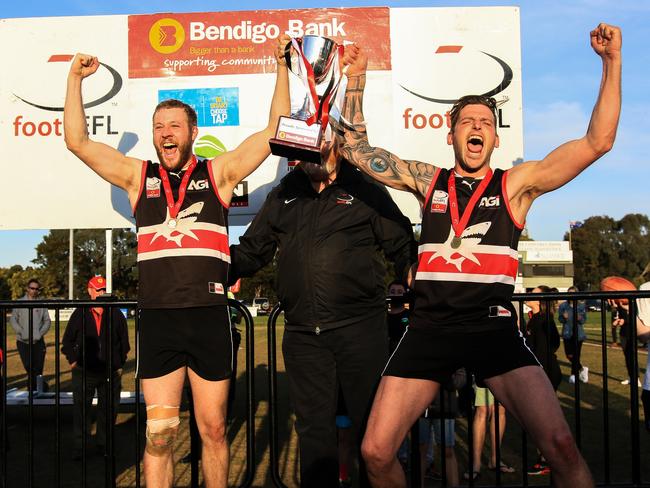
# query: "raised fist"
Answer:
x=606 y=40
x=356 y=59
x=280 y=49
x=84 y=65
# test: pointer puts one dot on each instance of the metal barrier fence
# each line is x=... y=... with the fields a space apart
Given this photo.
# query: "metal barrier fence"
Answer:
x=33 y=399
x=635 y=477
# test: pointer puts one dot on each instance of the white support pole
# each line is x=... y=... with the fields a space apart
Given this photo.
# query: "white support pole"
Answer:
x=71 y=265
x=109 y=260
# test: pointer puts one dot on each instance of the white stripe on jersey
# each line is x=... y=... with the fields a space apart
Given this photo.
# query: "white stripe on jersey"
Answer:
x=465 y=277
x=168 y=253
x=478 y=249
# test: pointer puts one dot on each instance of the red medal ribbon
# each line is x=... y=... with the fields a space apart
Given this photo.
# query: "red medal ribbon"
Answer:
x=460 y=224
x=174 y=208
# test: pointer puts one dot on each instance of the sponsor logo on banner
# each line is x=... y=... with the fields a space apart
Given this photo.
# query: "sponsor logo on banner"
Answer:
x=439 y=201
x=166 y=36
x=453 y=59
x=215 y=107
x=28 y=126
x=240 y=195
x=152 y=187
x=208 y=147
x=215 y=43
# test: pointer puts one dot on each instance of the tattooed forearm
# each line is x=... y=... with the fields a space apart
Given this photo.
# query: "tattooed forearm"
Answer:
x=377 y=162
x=422 y=174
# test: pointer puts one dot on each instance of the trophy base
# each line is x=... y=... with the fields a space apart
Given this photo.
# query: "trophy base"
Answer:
x=295 y=151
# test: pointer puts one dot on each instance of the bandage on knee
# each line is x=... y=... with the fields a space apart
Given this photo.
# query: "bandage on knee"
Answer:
x=162 y=428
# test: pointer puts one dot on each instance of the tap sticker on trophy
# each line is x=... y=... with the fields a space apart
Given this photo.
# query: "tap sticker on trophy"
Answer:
x=315 y=60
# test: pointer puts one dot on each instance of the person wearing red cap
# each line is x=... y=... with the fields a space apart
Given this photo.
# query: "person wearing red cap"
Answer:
x=85 y=345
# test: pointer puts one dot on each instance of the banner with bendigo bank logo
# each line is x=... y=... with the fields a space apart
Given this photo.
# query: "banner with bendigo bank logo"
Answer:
x=420 y=61
x=223 y=43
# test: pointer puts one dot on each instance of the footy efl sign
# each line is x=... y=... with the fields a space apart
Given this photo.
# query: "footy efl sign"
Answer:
x=420 y=61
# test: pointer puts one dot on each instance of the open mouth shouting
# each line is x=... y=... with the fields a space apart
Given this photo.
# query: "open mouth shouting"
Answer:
x=475 y=144
x=170 y=149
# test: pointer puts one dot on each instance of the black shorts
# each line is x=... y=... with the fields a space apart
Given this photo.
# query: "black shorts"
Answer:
x=197 y=337
x=434 y=354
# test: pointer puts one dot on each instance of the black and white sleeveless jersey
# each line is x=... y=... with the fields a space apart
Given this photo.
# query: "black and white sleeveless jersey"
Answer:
x=183 y=264
x=468 y=281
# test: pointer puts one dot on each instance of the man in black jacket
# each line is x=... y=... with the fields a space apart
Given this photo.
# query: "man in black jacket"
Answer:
x=328 y=223
x=85 y=345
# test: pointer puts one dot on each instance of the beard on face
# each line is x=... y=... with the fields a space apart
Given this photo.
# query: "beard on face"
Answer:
x=184 y=151
x=315 y=171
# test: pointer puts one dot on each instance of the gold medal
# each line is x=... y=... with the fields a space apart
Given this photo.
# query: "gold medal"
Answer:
x=456 y=242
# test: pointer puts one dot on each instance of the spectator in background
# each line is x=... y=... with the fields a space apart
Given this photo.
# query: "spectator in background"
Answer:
x=544 y=341
x=542 y=335
x=643 y=334
x=85 y=346
x=484 y=414
x=33 y=346
x=573 y=346
x=620 y=319
x=445 y=407
x=615 y=336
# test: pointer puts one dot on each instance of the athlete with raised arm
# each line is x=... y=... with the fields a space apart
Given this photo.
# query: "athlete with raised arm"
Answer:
x=181 y=207
x=471 y=221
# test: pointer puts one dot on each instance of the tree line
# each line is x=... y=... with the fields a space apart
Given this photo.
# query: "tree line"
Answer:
x=602 y=246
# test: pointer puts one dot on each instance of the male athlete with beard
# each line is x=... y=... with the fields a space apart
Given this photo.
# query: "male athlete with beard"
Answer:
x=463 y=316
x=181 y=208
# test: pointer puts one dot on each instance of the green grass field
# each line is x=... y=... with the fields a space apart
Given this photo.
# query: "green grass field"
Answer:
x=591 y=432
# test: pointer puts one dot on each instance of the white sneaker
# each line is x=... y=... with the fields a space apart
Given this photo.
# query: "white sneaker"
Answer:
x=572 y=379
x=625 y=382
x=584 y=374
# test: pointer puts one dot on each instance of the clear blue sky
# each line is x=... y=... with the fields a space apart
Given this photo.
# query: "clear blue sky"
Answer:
x=560 y=82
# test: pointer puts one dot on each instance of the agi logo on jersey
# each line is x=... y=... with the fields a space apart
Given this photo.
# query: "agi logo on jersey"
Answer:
x=198 y=185
x=490 y=202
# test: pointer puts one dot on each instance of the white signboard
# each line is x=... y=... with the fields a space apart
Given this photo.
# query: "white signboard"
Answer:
x=44 y=185
x=420 y=61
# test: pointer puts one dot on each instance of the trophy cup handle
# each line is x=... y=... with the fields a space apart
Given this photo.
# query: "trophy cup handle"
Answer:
x=287 y=51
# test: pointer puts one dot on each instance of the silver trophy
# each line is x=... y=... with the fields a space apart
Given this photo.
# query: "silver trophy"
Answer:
x=314 y=59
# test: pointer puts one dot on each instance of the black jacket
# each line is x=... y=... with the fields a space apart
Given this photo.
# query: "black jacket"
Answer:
x=96 y=346
x=329 y=273
x=543 y=339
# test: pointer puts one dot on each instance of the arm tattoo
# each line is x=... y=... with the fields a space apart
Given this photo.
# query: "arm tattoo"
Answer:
x=377 y=162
